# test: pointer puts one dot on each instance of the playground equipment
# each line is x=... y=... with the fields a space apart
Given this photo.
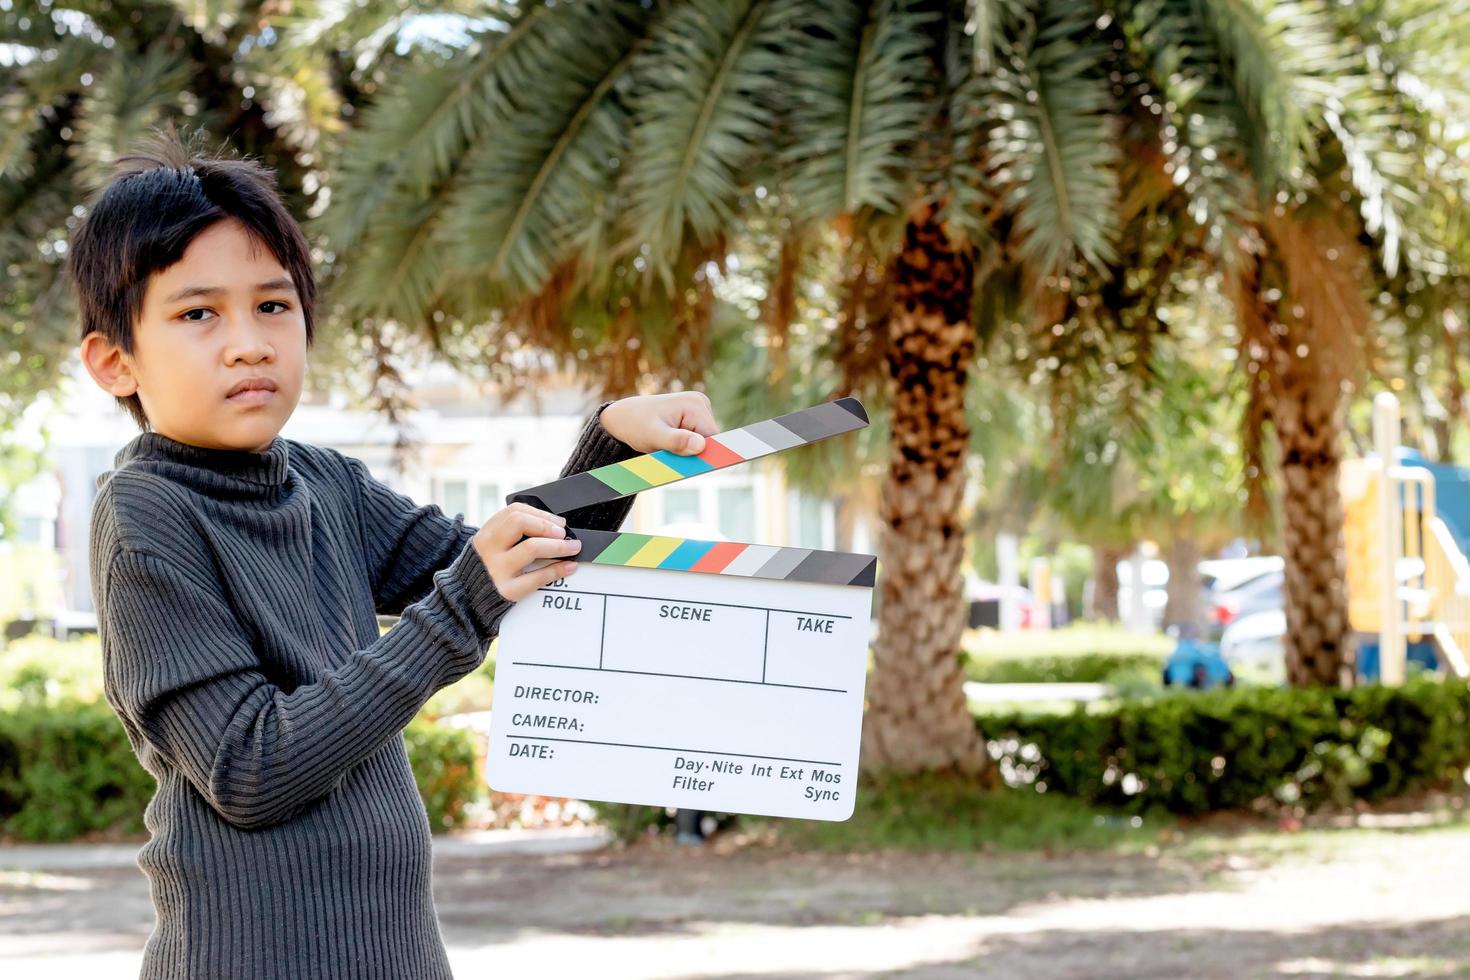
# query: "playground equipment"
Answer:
x=1407 y=534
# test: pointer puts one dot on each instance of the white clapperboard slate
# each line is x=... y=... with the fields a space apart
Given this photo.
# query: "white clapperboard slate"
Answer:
x=716 y=676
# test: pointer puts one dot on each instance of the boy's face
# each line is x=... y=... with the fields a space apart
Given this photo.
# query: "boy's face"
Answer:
x=225 y=312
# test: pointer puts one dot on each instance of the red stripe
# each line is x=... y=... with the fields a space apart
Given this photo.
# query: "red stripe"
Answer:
x=717 y=455
x=715 y=559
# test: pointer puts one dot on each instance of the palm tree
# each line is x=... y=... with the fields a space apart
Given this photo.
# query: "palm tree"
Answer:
x=81 y=82
x=588 y=211
x=1312 y=138
x=572 y=180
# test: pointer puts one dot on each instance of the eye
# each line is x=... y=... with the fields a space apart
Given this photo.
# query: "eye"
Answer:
x=189 y=314
x=275 y=302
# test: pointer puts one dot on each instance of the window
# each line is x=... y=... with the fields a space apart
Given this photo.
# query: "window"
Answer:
x=737 y=513
x=811 y=530
x=31 y=529
x=454 y=497
x=680 y=506
x=490 y=501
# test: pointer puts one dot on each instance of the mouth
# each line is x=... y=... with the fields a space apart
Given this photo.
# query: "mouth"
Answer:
x=252 y=391
x=252 y=396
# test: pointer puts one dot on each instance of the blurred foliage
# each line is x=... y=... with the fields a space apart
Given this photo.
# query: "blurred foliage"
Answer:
x=1075 y=668
x=82 y=81
x=67 y=770
x=936 y=812
x=1257 y=748
x=1081 y=654
x=36 y=671
x=446 y=769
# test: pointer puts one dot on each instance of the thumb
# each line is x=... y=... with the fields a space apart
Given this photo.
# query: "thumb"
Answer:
x=683 y=442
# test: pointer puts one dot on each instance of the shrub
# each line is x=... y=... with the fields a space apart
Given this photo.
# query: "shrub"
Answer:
x=38 y=670
x=446 y=770
x=1073 y=655
x=1072 y=668
x=66 y=769
x=1194 y=752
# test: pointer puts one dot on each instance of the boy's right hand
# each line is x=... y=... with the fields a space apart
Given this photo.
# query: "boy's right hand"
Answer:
x=499 y=544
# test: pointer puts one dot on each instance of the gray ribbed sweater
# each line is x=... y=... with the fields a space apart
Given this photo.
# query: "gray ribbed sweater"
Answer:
x=236 y=593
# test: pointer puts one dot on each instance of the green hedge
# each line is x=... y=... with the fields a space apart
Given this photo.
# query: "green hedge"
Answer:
x=66 y=769
x=1194 y=752
x=1067 y=668
x=446 y=771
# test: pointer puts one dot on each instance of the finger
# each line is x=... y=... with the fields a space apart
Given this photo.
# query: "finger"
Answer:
x=519 y=524
x=521 y=505
x=518 y=557
x=526 y=583
x=682 y=441
x=702 y=419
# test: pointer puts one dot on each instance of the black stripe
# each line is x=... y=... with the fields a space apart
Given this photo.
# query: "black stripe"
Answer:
x=594 y=543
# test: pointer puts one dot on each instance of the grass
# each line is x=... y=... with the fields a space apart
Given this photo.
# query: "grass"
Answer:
x=948 y=813
x=1079 y=640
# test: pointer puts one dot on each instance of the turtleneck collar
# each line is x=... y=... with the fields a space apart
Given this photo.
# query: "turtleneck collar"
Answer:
x=209 y=466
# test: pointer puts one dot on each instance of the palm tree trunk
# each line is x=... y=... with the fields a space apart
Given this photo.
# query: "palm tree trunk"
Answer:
x=844 y=521
x=1105 y=584
x=1183 y=605
x=1318 y=637
x=917 y=717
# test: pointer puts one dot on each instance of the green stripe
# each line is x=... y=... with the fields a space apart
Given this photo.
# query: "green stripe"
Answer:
x=620 y=478
x=623 y=547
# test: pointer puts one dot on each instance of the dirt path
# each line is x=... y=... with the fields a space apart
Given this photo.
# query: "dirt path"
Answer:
x=1318 y=904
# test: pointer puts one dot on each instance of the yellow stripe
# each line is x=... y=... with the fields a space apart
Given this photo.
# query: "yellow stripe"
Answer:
x=650 y=469
x=655 y=551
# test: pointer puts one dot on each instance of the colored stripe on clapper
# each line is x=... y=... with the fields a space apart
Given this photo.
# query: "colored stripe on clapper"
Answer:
x=723 y=557
x=720 y=450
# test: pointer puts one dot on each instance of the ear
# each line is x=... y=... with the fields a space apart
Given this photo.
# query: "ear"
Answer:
x=108 y=364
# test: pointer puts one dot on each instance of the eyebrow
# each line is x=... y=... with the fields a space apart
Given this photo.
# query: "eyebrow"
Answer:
x=283 y=282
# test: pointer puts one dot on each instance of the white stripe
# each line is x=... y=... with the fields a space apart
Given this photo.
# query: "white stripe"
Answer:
x=742 y=443
x=749 y=561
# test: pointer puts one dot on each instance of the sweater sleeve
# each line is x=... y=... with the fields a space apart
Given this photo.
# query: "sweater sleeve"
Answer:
x=184 y=677
x=407 y=543
x=598 y=447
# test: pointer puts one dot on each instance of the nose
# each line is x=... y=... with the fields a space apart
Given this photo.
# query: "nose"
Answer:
x=247 y=340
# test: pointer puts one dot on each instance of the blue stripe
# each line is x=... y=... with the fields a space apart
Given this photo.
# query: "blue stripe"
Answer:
x=682 y=558
x=683 y=465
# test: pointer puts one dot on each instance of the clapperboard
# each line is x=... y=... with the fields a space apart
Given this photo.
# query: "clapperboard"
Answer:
x=711 y=675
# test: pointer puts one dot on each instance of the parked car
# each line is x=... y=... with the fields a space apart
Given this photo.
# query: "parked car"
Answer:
x=1257 y=641
x=984 y=599
x=1259 y=593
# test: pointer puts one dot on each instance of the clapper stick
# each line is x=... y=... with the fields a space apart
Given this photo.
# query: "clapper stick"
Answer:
x=723 y=449
x=716 y=557
x=724 y=558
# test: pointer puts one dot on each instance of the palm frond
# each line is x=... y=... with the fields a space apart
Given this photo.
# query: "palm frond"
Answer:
x=1204 y=132
x=859 y=102
x=132 y=96
x=422 y=124
x=1053 y=151
x=532 y=189
x=705 y=109
x=1281 y=58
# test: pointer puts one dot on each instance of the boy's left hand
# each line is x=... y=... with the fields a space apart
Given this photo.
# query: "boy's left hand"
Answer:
x=677 y=421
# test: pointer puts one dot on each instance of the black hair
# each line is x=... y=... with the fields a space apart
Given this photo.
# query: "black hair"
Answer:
x=155 y=203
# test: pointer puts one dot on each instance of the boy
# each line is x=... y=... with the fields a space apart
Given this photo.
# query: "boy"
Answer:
x=237 y=575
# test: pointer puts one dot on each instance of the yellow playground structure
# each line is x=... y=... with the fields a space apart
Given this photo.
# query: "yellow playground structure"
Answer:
x=1407 y=532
